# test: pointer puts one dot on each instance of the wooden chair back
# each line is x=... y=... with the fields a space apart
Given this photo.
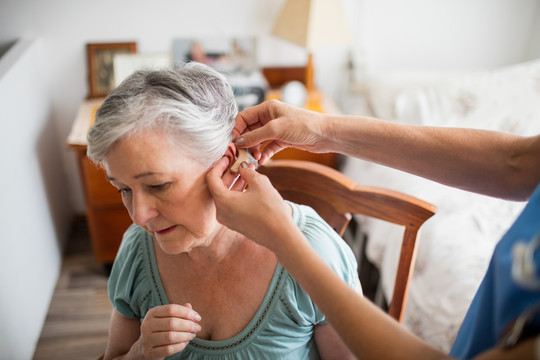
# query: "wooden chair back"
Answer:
x=336 y=197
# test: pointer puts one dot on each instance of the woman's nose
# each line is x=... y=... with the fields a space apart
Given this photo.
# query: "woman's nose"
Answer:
x=143 y=209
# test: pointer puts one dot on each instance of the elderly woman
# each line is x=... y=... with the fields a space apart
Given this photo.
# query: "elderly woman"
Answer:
x=183 y=285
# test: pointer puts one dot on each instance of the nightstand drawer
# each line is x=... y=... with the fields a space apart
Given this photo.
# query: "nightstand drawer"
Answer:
x=98 y=189
x=107 y=227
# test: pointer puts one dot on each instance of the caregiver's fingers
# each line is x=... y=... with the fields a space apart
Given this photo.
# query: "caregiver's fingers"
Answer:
x=257 y=124
x=270 y=150
x=238 y=184
x=255 y=138
x=248 y=173
x=254 y=117
x=214 y=177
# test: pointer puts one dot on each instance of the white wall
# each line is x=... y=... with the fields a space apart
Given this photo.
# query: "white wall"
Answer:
x=33 y=214
x=65 y=27
x=443 y=35
x=533 y=51
x=389 y=35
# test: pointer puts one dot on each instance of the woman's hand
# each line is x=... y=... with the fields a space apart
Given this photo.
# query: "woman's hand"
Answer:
x=167 y=330
x=258 y=212
x=283 y=126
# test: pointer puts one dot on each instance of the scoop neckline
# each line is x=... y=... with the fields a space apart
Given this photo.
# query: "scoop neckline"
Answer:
x=242 y=338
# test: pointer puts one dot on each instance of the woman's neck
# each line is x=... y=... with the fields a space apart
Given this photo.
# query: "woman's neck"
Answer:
x=219 y=246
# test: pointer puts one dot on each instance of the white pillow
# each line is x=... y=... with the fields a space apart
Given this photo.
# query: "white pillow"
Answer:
x=386 y=88
x=507 y=99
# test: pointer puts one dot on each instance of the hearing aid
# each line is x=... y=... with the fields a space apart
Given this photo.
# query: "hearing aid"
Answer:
x=241 y=155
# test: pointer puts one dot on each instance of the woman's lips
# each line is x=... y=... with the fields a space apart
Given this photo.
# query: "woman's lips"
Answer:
x=166 y=231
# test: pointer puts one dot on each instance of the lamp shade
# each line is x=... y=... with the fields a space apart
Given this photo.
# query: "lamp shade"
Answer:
x=312 y=24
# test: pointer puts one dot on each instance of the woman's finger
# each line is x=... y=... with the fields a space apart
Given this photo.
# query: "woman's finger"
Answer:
x=174 y=310
x=171 y=337
x=167 y=329
x=157 y=325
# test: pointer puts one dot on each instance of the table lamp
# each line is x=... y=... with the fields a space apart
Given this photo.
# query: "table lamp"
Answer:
x=312 y=24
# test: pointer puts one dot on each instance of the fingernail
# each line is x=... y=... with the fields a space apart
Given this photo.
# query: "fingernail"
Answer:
x=239 y=141
x=196 y=316
x=244 y=164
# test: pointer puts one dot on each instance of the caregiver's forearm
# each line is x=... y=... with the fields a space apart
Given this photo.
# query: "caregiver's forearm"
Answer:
x=486 y=162
x=365 y=329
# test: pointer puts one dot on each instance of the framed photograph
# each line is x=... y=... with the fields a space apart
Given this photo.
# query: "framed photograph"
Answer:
x=101 y=65
x=236 y=58
x=225 y=54
x=126 y=64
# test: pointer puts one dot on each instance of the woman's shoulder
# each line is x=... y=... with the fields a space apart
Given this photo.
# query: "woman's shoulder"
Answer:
x=332 y=249
x=317 y=231
x=326 y=242
x=131 y=236
x=306 y=217
x=133 y=277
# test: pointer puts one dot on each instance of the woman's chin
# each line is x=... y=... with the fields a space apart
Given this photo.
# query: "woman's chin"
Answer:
x=173 y=247
x=179 y=240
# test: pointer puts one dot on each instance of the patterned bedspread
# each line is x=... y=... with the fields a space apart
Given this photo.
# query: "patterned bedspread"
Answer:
x=457 y=243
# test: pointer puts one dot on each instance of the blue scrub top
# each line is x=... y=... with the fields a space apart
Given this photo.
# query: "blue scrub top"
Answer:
x=500 y=298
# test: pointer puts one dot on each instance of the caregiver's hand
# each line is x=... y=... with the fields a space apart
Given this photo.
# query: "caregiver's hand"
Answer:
x=284 y=125
x=167 y=330
x=259 y=212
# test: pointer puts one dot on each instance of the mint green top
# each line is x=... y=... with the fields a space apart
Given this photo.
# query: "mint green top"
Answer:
x=283 y=326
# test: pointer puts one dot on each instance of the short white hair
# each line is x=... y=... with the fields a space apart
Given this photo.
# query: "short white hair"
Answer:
x=192 y=102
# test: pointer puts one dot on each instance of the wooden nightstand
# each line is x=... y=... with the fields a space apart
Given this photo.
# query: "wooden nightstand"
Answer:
x=107 y=217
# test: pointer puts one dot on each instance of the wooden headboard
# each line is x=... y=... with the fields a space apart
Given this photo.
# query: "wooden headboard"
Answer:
x=277 y=76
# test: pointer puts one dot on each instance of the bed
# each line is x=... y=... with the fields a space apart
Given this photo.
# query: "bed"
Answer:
x=456 y=244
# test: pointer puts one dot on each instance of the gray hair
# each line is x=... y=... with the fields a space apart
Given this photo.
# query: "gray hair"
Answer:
x=192 y=102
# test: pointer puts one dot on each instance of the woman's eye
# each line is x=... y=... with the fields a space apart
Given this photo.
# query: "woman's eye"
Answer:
x=124 y=191
x=160 y=187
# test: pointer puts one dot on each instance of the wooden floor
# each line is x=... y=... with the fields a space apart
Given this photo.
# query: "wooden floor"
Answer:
x=78 y=317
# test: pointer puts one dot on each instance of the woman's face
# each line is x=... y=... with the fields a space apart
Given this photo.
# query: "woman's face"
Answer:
x=164 y=191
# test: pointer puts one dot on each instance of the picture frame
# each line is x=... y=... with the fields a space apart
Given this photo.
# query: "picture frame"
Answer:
x=227 y=54
x=126 y=64
x=235 y=57
x=101 y=65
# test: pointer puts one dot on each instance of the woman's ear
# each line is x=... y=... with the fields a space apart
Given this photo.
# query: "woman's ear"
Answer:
x=231 y=153
x=237 y=156
x=232 y=179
